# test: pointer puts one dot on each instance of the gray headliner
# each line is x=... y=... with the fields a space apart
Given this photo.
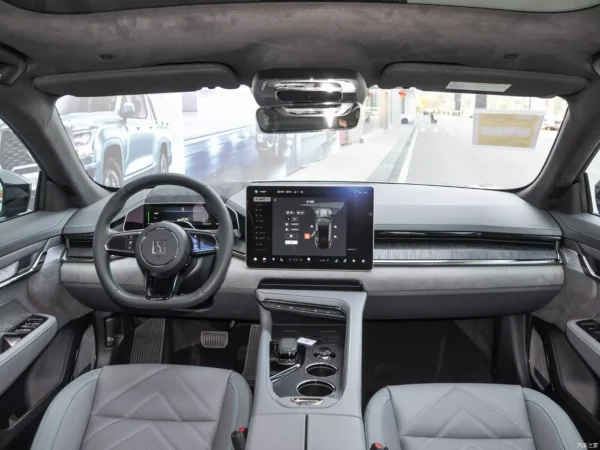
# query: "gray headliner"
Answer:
x=89 y=6
x=364 y=37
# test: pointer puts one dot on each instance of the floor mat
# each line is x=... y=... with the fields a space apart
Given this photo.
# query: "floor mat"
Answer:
x=183 y=344
x=405 y=352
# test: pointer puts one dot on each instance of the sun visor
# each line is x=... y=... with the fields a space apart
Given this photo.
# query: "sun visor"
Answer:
x=147 y=80
x=443 y=77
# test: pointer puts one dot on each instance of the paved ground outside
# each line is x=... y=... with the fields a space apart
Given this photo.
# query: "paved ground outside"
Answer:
x=443 y=154
x=436 y=154
x=357 y=162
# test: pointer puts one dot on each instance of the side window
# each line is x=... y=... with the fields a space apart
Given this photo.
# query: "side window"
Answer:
x=18 y=175
x=593 y=173
x=140 y=106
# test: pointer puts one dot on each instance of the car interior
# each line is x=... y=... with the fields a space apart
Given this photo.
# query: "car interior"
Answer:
x=169 y=311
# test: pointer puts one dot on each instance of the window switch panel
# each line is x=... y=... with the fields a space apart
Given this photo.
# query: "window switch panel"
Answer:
x=591 y=327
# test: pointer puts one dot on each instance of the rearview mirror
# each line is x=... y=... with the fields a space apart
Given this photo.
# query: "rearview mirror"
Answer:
x=15 y=192
x=127 y=111
x=299 y=118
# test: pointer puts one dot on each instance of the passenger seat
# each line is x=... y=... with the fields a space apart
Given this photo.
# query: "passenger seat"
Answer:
x=467 y=416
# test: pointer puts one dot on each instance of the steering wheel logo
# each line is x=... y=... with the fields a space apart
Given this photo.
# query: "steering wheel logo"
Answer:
x=159 y=247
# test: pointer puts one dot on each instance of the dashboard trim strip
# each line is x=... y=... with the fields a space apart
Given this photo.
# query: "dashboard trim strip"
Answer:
x=37 y=265
x=460 y=262
x=467 y=235
x=587 y=268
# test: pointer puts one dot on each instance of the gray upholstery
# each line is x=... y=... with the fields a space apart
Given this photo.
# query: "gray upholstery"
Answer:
x=467 y=416
x=147 y=407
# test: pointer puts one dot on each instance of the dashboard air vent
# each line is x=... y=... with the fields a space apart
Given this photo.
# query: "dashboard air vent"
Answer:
x=79 y=247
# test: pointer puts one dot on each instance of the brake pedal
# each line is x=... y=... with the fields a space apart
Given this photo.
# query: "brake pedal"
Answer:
x=214 y=339
x=148 y=342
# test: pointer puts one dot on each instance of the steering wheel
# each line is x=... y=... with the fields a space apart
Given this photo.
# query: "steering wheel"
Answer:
x=163 y=250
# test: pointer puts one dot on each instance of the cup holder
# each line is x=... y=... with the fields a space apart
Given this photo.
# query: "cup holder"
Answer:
x=321 y=370
x=315 y=388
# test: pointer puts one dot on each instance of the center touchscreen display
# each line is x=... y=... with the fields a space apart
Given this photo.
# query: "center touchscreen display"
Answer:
x=310 y=227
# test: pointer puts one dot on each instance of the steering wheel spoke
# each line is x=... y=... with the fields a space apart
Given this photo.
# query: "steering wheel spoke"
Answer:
x=122 y=243
x=204 y=242
x=162 y=288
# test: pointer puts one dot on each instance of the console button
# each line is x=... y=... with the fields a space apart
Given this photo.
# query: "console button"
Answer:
x=325 y=353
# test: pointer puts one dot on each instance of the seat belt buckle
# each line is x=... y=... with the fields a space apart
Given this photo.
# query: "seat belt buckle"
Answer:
x=238 y=438
x=377 y=446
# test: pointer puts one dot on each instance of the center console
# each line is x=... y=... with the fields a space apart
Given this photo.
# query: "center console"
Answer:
x=307 y=392
x=308 y=379
x=307 y=358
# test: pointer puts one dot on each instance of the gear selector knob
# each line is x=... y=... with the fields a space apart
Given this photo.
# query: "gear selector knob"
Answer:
x=287 y=348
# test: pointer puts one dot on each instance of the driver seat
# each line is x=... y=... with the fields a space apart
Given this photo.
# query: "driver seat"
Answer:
x=147 y=407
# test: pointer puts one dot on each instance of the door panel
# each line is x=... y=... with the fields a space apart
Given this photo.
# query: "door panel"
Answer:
x=587 y=347
x=22 y=231
x=572 y=355
x=575 y=386
x=25 y=241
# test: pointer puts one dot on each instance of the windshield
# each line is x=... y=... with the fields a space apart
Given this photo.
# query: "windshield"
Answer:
x=404 y=136
x=70 y=105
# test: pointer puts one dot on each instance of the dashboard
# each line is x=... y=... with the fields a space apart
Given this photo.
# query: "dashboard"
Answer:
x=436 y=252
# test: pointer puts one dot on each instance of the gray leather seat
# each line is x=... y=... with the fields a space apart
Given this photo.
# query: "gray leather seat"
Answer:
x=147 y=407
x=467 y=416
